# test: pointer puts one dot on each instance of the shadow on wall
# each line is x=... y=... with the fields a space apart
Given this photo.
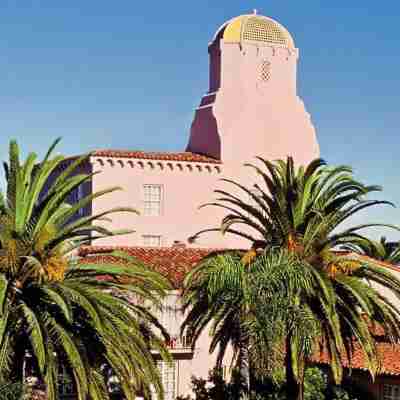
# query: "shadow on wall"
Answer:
x=204 y=136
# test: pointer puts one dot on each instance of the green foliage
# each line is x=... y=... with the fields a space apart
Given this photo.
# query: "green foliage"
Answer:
x=318 y=298
x=315 y=384
x=215 y=387
x=347 y=391
x=11 y=391
x=54 y=306
x=381 y=250
x=290 y=205
x=248 y=307
x=316 y=388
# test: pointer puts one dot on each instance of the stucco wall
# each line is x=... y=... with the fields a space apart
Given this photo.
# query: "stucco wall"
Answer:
x=251 y=114
x=186 y=186
x=188 y=363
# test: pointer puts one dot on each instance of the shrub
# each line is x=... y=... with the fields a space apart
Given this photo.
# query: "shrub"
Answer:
x=11 y=391
x=316 y=387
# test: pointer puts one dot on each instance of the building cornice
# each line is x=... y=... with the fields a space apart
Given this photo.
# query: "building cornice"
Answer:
x=183 y=161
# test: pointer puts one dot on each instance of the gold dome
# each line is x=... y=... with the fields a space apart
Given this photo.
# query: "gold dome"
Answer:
x=256 y=28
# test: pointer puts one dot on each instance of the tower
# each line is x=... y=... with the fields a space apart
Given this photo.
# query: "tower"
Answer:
x=252 y=107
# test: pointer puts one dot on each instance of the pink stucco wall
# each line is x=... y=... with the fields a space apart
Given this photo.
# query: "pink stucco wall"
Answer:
x=245 y=117
x=242 y=116
x=186 y=186
x=248 y=116
x=188 y=362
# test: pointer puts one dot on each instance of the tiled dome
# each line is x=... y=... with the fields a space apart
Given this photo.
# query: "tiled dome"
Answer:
x=256 y=28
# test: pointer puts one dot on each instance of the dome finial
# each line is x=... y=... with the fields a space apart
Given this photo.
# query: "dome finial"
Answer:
x=255 y=11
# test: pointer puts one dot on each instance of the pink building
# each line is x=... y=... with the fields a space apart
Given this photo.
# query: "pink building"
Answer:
x=251 y=109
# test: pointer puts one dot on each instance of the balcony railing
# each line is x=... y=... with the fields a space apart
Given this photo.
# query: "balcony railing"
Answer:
x=178 y=345
x=177 y=342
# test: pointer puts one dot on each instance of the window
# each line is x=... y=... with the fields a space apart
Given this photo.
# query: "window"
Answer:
x=80 y=196
x=151 y=240
x=75 y=197
x=152 y=198
x=167 y=372
x=391 y=392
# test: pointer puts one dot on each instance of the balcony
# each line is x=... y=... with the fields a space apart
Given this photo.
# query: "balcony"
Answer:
x=178 y=345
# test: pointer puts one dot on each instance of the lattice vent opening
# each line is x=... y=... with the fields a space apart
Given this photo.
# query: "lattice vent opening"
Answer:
x=265 y=71
x=260 y=30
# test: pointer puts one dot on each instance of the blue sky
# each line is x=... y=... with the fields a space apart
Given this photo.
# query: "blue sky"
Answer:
x=129 y=74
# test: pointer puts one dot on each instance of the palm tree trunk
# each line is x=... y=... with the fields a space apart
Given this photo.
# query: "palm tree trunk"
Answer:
x=244 y=359
x=294 y=386
x=244 y=369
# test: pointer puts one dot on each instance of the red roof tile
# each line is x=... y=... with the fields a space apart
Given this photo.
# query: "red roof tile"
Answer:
x=164 y=156
x=172 y=262
x=175 y=262
x=389 y=354
x=389 y=357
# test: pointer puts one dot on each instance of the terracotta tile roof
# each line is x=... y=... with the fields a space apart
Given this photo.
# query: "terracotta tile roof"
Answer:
x=172 y=262
x=389 y=357
x=389 y=353
x=164 y=156
x=175 y=262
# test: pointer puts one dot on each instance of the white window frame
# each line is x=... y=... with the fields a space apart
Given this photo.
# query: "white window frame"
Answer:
x=149 y=238
x=391 y=392
x=152 y=202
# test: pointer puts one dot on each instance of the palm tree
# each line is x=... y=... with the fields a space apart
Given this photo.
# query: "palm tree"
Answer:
x=55 y=311
x=381 y=250
x=247 y=307
x=300 y=210
x=218 y=291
